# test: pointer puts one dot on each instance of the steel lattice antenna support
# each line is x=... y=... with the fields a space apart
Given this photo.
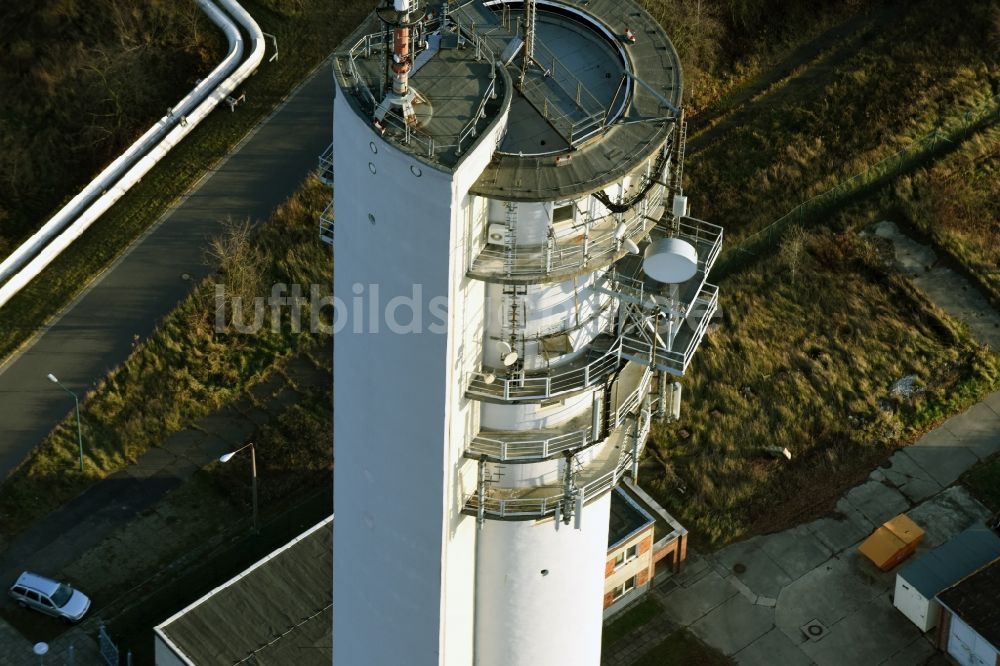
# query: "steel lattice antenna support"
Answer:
x=529 y=39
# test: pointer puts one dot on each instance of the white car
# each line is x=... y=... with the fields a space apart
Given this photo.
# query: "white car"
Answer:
x=50 y=597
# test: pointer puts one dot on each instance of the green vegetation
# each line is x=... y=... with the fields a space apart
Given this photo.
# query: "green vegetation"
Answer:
x=812 y=341
x=724 y=45
x=295 y=451
x=817 y=325
x=927 y=66
x=956 y=203
x=81 y=81
x=984 y=482
x=307 y=32
x=633 y=618
x=683 y=648
x=187 y=369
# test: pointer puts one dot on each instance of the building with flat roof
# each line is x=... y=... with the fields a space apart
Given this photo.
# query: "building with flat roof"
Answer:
x=970 y=618
x=276 y=613
x=918 y=584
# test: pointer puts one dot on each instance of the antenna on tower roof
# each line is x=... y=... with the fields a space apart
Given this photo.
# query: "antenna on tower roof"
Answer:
x=529 y=39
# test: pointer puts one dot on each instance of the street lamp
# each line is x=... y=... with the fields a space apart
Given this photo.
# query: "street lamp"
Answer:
x=226 y=457
x=79 y=433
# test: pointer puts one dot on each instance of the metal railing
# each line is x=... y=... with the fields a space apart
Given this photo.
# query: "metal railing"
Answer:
x=562 y=380
x=504 y=449
x=512 y=446
x=632 y=401
x=326 y=166
x=554 y=259
x=523 y=508
x=427 y=144
x=573 y=111
x=326 y=224
x=624 y=279
x=642 y=345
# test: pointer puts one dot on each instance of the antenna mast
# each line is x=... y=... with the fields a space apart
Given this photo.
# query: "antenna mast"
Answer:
x=529 y=39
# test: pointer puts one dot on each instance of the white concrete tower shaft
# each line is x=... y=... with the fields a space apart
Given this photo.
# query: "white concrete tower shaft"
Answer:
x=497 y=341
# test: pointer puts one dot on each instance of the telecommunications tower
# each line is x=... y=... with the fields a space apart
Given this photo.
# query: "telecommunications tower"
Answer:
x=522 y=285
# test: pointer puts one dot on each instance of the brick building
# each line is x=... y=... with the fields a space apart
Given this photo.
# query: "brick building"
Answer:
x=642 y=538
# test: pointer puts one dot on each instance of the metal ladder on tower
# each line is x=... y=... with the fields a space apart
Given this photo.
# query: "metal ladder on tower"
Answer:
x=677 y=174
x=510 y=239
x=682 y=133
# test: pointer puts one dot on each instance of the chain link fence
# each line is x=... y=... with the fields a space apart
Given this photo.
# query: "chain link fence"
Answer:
x=869 y=180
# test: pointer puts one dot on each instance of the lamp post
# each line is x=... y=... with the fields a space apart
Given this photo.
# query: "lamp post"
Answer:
x=79 y=433
x=226 y=457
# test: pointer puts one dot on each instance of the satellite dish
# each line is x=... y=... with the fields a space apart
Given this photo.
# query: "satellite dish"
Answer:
x=630 y=246
x=670 y=260
x=489 y=378
x=507 y=353
x=620 y=231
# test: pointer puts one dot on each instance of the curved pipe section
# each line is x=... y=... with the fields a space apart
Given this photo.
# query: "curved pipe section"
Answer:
x=153 y=135
x=155 y=154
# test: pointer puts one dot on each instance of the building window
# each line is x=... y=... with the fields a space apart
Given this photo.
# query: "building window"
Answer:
x=623 y=589
x=626 y=556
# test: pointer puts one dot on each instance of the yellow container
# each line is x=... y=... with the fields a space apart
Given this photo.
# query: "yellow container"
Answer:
x=893 y=542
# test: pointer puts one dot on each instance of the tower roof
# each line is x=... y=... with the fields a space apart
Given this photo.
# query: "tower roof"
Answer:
x=586 y=108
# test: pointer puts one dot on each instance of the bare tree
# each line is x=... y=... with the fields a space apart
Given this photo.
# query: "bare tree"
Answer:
x=791 y=250
x=239 y=259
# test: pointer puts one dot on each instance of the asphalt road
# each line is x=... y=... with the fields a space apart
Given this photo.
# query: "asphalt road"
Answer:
x=95 y=333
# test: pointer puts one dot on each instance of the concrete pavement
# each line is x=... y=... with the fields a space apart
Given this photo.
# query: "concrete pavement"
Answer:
x=95 y=333
x=805 y=595
x=755 y=599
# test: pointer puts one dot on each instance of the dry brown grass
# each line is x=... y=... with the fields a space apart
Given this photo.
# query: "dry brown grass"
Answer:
x=927 y=67
x=956 y=203
x=184 y=371
x=806 y=364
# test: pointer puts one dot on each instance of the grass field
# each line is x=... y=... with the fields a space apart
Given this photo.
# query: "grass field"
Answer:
x=307 y=32
x=724 y=46
x=833 y=123
x=956 y=203
x=984 y=482
x=817 y=328
x=80 y=84
x=186 y=369
x=805 y=358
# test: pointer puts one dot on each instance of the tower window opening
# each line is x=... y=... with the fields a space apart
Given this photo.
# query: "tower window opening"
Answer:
x=564 y=212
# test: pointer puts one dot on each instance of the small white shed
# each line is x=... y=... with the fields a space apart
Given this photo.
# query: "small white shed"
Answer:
x=970 y=618
x=918 y=584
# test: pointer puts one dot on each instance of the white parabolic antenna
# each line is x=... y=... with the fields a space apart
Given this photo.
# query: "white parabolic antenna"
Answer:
x=670 y=260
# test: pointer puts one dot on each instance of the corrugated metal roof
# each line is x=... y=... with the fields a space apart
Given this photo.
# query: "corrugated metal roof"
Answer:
x=952 y=561
x=276 y=613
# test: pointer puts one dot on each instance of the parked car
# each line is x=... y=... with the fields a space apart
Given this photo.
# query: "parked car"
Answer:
x=50 y=597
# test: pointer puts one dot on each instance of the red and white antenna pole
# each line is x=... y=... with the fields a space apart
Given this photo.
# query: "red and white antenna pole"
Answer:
x=401 y=63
